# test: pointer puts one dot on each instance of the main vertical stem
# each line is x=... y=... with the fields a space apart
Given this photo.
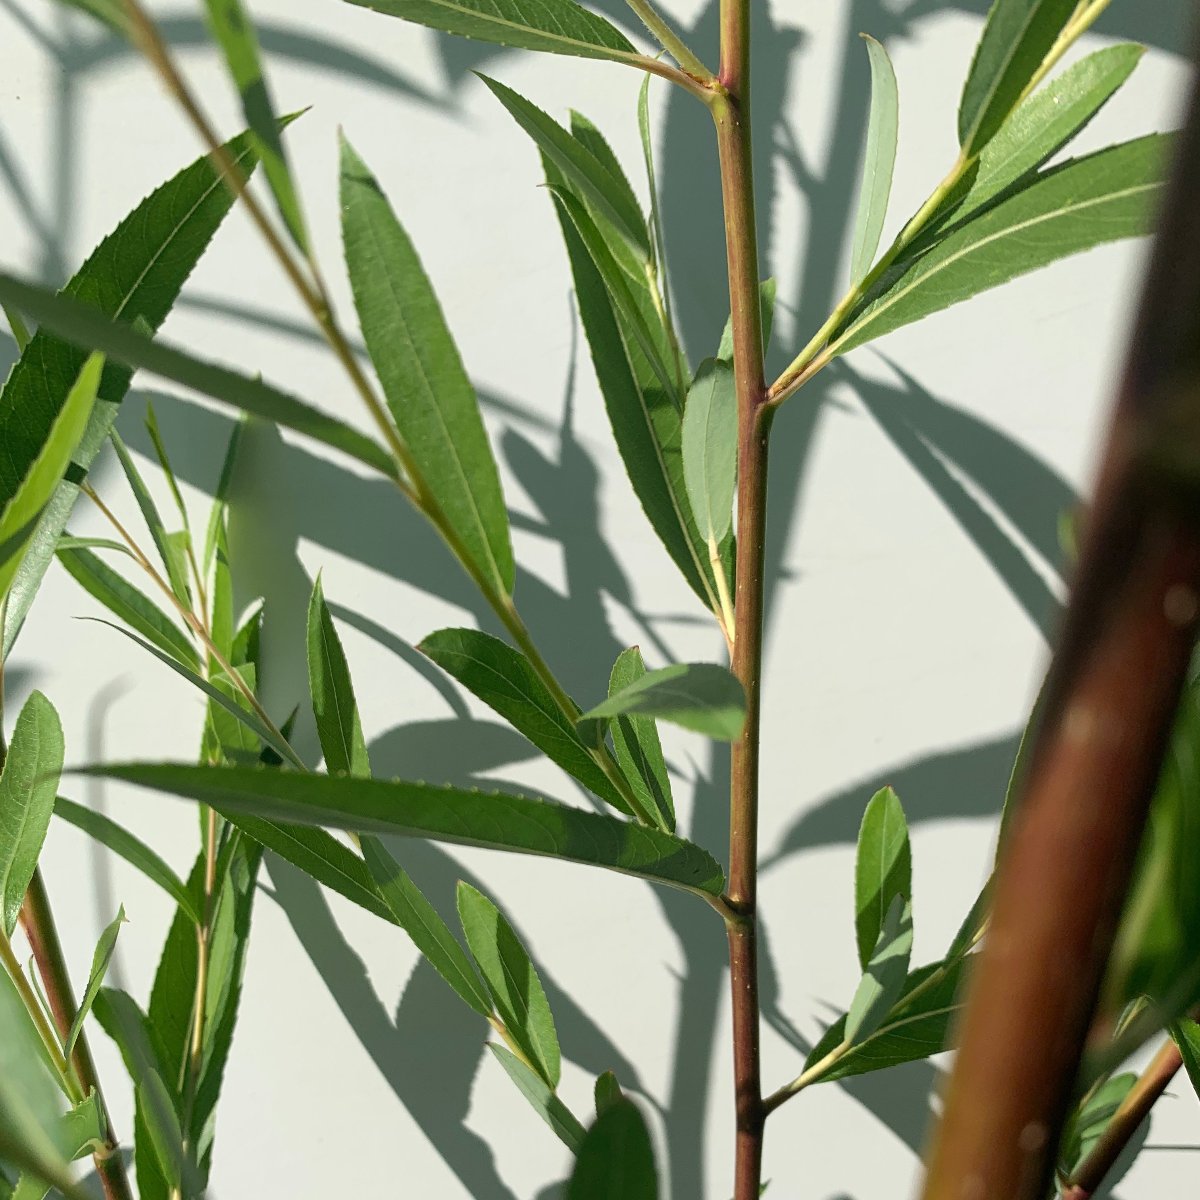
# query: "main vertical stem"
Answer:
x=731 y=112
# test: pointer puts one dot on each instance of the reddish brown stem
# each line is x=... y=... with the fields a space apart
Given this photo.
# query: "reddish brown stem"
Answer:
x=1109 y=707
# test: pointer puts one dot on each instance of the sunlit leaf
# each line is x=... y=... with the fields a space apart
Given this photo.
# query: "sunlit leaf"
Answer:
x=883 y=868
x=884 y=975
x=710 y=433
x=699 y=696
x=338 y=725
x=636 y=744
x=544 y=1099
x=878 y=160
x=100 y=960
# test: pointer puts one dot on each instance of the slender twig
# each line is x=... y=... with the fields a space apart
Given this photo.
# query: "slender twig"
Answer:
x=670 y=41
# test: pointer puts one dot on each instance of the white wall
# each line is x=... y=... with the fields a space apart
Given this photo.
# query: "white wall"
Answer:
x=906 y=630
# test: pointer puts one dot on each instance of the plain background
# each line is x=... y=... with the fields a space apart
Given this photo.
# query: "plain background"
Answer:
x=914 y=561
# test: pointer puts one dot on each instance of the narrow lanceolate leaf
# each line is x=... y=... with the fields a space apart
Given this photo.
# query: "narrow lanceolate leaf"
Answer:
x=133 y=850
x=512 y=982
x=1083 y=203
x=492 y=820
x=544 y=1100
x=334 y=706
x=552 y=26
x=220 y=505
x=506 y=682
x=36 y=481
x=699 y=696
x=710 y=448
x=420 y=920
x=886 y=972
x=591 y=179
x=1015 y=41
x=127 y=603
x=636 y=744
x=882 y=131
x=616 y=1159
x=423 y=379
x=235 y=35
x=882 y=870
x=81 y=324
x=28 y=784
x=136 y=272
x=100 y=960
x=766 y=307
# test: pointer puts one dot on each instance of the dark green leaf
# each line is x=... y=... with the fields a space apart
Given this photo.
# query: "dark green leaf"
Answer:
x=616 y=1159
x=878 y=160
x=1015 y=41
x=885 y=974
x=420 y=920
x=1088 y=1123
x=544 y=1100
x=17 y=326
x=1186 y=1033
x=426 y=387
x=494 y=820
x=338 y=724
x=506 y=682
x=128 y=603
x=607 y=1092
x=100 y=960
x=162 y=1125
x=710 y=434
x=216 y=520
x=1083 y=203
x=136 y=272
x=511 y=980
x=636 y=744
x=699 y=696
x=28 y=784
x=553 y=26
x=883 y=868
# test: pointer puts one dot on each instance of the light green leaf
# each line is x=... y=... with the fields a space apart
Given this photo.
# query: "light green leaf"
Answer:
x=766 y=307
x=493 y=820
x=128 y=603
x=81 y=324
x=235 y=34
x=28 y=784
x=506 y=682
x=17 y=326
x=423 y=379
x=1089 y=1121
x=79 y=1131
x=512 y=981
x=710 y=435
x=656 y=238
x=121 y=842
x=136 y=272
x=334 y=706
x=100 y=960
x=878 y=160
x=544 y=1100
x=883 y=868
x=1015 y=41
x=885 y=974
x=699 y=696
x=1083 y=203
x=420 y=920
x=590 y=178
x=36 y=479
x=553 y=26
x=67 y=542
x=616 y=1159
x=607 y=1092
x=636 y=744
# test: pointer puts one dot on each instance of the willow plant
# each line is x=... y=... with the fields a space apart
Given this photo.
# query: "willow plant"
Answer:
x=694 y=438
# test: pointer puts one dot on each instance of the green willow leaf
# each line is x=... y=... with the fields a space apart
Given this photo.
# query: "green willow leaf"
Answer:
x=235 y=34
x=506 y=682
x=885 y=974
x=164 y=461
x=220 y=505
x=702 y=697
x=1083 y=203
x=544 y=1100
x=616 y=1159
x=1186 y=1034
x=882 y=870
x=607 y=1092
x=133 y=850
x=492 y=820
x=766 y=307
x=100 y=960
x=512 y=981
x=136 y=272
x=17 y=326
x=878 y=162
x=590 y=178
x=1089 y=1122
x=38 y=479
x=636 y=744
x=1015 y=41
x=710 y=434
x=128 y=604
x=423 y=379
x=338 y=726
x=28 y=784
x=552 y=26
x=420 y=920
